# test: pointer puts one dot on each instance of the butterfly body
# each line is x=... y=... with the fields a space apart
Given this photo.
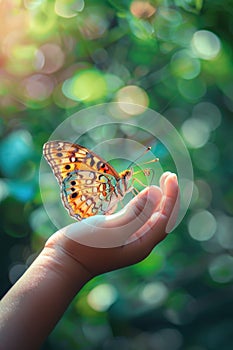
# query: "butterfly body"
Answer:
x=89 y=185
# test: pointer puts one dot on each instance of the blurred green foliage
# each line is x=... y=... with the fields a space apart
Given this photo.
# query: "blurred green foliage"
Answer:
x=58 y=57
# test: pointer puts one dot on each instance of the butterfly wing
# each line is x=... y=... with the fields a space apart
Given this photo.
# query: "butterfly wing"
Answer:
x=87 y=181
x=87 y=193
x=65 y=157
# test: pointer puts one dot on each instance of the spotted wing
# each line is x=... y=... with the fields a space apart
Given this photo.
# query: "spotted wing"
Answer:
x=86 y=193
x=65 y=157
x=86 y=180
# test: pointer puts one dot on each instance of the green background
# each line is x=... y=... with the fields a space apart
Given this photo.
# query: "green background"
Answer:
x=58 y=57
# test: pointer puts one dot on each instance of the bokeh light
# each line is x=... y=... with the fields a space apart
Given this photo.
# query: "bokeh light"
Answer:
x=205 y=194
x=68 y=9
x=184 y=65
x=93 y=22
x=206 y=44
x=4 y=191
x=167 y=23
x=154 y=293
x=142 y=9
x=224 y=232
x=87 y=86
x=40 y=223
x=132 y=99
x=17 y=149
x=16 y=271
x=51 y=58
x=209 y=112
x=195 y=132
x=38 y=87
x=192 y=89
x=221 y=268
x=102 y=297
x=202 y=225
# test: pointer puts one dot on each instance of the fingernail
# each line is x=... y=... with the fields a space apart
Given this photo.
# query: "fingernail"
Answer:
x=173 y=175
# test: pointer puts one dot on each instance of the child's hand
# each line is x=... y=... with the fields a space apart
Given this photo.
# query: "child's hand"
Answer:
x=103 y=243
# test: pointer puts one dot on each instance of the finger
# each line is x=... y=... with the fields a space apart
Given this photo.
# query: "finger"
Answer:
x=113 y=230
x=170 y=190
x=141 y=207
x=163 y=179
x=172 y=201
x=155 y=229
x=159 y=220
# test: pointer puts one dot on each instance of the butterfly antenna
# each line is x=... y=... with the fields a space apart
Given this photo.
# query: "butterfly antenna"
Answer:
x=141 y=155
x=147 y=172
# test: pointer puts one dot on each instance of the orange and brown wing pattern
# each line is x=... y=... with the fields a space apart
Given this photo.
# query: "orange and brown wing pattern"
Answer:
x=86 y=193
x=65 y=157
x=87 y=182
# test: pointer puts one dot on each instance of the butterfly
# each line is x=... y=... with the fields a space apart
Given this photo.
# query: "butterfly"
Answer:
x=89 y=185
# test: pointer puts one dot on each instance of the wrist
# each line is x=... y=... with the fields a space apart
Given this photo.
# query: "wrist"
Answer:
x=58 y=258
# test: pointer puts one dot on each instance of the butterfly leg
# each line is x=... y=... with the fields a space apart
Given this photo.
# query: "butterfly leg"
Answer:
x=147 y=173
x=135 y=192
x=140 y=183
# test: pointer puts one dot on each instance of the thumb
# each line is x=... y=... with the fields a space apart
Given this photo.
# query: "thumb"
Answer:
x=114 y=230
